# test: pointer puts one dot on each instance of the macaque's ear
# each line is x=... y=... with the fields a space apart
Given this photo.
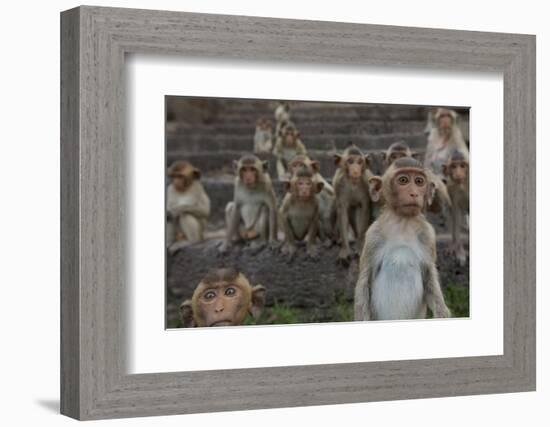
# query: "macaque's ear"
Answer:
x=383 y=155
x=375 y=188
x=297 y=134
x=445 y=170
x=430 y=194
x=186 y=314
x=258 y=301
x=196 y=173
x=316 y=166
x=265 y=165
x=286 y=185
x=236 y=166
x=319 y=186
x=337 y=159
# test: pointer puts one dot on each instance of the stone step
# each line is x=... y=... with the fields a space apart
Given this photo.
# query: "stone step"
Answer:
x=310 y=129
x=179 y=147
x=221 y=162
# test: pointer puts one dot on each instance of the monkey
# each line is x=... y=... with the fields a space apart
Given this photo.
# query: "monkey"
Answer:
x=441 y=200
x=327 y=214
x=398 y=278
x=282 y=117
x=224 y=297
x=458 y=184
x=263 y=137
x=299 y=212
x=443 y=140
x=287 y=147
x=252 y=215
x=352 y=202
x=462 y=124
x=396 y=151
x=187 y=204
x=377 y=162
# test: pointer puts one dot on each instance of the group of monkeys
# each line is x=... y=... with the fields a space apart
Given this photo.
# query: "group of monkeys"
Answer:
x=398 y=278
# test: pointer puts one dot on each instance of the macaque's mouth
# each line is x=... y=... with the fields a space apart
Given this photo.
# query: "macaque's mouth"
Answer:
x=222 y=323
x=412 y=205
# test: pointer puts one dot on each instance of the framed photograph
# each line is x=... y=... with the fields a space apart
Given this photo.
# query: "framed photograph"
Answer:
x=351 y=206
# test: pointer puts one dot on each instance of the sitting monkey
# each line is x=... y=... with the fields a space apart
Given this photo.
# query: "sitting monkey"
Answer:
x=327 y=214
x=252 y=215
x=287 y=147
x=398 y=278
x=299 y=212
x=353 y=205
x=458 y=184
x=224 y=297
x=263 y=137
x=187 y=204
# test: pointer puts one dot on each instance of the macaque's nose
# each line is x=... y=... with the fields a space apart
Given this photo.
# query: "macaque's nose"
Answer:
x=218 y=308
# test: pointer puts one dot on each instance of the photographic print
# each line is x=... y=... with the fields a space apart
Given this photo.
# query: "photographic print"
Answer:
x=293 y=212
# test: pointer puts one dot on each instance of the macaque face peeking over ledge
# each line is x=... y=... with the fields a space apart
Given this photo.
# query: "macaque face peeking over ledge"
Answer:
x=224 y=297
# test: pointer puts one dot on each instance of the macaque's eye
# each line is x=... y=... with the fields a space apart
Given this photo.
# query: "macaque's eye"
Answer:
x=453 y=166
x=403 y=179
x=350 y=161
x=420 y=181
x=230 y=291
x=209 y=295
x=462 y=165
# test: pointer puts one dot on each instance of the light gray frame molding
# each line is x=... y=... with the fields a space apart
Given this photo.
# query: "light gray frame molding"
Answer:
x=94 y=41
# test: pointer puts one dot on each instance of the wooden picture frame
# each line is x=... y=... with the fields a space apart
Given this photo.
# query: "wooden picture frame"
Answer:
x=94 y=41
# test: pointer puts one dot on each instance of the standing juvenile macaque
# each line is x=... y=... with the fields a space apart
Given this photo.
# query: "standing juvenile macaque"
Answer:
x=287 y=147
x=187 y=204
x=325 y=198
x=263 y=137
x=352 y=202
x=252 y=215
x=458 y=185
x=398 y=278
x=444 y=139
x=224 y=297
x=299 y=212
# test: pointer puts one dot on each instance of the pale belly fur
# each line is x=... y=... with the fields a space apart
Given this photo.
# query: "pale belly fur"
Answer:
x=397 y=291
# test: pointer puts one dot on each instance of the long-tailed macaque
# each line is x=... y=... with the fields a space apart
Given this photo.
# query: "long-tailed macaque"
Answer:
x=282 y=117
x=299 y=212
x=458 y=185
x=431 y=123
x=325 y=198
x=444 y=139
x=252 y=215
x=352 y=202
x=287 y=147
x=187 y=204
x=224 y=297
x=263 y=137
x=396 y=151
x=398 y=278
x=441 y=199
